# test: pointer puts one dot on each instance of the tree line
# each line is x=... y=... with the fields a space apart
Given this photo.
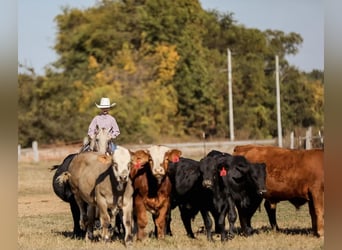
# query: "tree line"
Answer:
x=164 y=64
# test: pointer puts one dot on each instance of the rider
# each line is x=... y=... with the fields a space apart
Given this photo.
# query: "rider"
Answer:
x=105 y=120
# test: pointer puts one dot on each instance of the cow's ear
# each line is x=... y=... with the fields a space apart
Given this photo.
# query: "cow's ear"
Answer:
x=242 y=168
x=173 y=155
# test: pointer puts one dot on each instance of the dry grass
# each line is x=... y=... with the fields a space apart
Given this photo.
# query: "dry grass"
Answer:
x=45 y=222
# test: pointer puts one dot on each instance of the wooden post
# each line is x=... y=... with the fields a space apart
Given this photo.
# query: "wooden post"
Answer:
x=230 y=97
x=35 y=151
x=19 y=152
x=280 y=136
x=292 y=140
x=308 y=137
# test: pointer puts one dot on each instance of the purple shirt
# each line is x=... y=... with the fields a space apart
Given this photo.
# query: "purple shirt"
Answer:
x=104 y=121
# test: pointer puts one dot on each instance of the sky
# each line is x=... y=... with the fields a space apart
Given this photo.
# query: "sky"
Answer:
x=37 y=28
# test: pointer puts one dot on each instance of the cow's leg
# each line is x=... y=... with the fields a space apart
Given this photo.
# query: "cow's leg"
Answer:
x=207 y=223
x=168 y=223
x=248 y=214
x=104 y=217
x=141 y=217
x=244 y=221
x=91 y=220
x=232 y=216
x=75 y=211
x=271 y=213
x=186 y=219
x=127 y=209
x=316 y=208
x=160 y=220
x=221 y=224
x=83 y=213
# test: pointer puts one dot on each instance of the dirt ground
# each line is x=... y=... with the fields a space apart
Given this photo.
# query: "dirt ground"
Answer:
x=41 y=205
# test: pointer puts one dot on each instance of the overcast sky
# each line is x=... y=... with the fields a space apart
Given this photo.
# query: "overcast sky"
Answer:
x=37 y=29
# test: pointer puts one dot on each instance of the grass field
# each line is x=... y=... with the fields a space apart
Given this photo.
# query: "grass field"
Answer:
x=45 y=222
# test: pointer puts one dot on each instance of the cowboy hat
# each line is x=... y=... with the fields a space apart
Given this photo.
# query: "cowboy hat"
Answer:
x=105 y=103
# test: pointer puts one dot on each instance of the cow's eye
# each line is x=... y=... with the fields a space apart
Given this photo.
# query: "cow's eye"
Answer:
x=115 y=165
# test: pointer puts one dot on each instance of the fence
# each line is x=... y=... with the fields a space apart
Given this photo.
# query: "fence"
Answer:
x=308 y=141
x=189 y=149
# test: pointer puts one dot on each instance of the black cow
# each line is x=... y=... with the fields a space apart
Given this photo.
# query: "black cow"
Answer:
x=192 y=197
x=243 y=182
x=188 y=194
x=223 y=203
x=64 y=192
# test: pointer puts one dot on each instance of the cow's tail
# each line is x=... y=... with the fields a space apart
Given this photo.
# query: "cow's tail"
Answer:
x=63 y=178
x=54 y=167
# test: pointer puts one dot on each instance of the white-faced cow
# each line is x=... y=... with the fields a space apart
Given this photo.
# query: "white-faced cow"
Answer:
x=152 y=188
x=102 y=182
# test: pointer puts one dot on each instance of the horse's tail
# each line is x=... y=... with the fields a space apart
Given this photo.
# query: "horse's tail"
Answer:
x=63 y=178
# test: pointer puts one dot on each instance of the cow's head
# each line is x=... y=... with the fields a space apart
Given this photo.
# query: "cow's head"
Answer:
x=160 y=158
x=245 y=175
x=258 y=177
x=121 y=164
x=208 y=170
x=139 y=159
x=214 y=167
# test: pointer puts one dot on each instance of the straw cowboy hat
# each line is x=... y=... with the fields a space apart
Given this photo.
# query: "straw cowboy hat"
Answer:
x=105 y=103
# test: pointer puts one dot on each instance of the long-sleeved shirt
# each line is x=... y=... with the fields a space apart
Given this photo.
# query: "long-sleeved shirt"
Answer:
x=104 y=121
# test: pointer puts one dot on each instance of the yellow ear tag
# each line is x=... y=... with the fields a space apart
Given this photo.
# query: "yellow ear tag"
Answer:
x=105 y=159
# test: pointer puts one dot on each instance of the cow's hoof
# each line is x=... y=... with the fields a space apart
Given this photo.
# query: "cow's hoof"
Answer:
x=230 y=236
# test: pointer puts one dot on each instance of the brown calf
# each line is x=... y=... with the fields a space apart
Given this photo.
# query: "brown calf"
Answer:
x=152 y=188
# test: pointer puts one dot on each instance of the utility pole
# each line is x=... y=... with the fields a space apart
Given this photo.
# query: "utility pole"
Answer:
x=230 y=97
x=280 y=137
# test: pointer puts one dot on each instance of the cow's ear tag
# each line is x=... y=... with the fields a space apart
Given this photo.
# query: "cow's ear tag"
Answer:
x=137 y=165
x=175 y=158
x=223 y=172
x=104 y=159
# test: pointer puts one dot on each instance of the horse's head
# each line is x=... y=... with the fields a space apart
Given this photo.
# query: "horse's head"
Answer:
x=100 y=141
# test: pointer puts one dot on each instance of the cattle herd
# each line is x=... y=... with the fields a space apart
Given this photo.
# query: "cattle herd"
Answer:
x=118 y=192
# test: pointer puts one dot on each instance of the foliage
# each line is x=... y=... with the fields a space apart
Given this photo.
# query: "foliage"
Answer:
x=164 y=64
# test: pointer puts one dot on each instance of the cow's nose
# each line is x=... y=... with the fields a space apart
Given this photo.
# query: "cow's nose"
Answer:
x=160 y=171
x=207 y=183
x=123 y=178
x=262 y=191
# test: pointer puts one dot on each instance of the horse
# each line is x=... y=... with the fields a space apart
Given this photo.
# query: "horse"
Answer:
x=101 y=140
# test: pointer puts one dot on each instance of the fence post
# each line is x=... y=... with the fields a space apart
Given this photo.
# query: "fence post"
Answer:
x=35 y=151
x=292 y=140
x=320 y=138
x=19 y=152
x=308 y=138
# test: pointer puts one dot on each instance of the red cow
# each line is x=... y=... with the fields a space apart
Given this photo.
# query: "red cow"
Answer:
x=293 y=175
x=152 y=188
